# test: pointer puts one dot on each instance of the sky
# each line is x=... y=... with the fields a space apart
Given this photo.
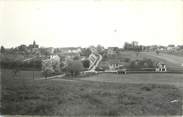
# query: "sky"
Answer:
x=66 y=23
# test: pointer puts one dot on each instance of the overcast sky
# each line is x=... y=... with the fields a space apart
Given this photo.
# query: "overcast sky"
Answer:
x=59 y=23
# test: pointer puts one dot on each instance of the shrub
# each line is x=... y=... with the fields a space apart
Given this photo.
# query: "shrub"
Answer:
x=104 y=65
x=16 y=61
x=100 y=69
x=74 y=68
x=47 y=68
x=145 y=63
x=86 y=63
x=126 y=60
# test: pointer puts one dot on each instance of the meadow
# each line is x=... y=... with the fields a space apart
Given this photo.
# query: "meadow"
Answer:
x=21 y=74
x=101 y=95
x=79 y=97
x=173 y=62
x=139 y=78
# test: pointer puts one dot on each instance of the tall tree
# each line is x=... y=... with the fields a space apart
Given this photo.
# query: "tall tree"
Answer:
x=85 y=52
x=74 y=68
x=86 y=63
x=2 y=49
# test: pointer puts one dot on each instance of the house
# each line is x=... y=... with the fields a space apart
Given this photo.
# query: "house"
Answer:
x=55 y=57
x=161 y=68
x=162 y=48
x=70 y=50
x=171 y=47
x=115 y=64
x=50 y=50
x=93 y=49
x=112 y=50
x=134 y=44
x=52 y=64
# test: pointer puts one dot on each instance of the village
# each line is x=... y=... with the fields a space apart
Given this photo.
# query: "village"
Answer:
x=54 y=61
x=93 y=58
x=27 y=67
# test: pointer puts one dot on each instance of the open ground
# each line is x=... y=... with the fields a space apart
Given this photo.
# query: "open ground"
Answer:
x=115 y=95
x=102 y=94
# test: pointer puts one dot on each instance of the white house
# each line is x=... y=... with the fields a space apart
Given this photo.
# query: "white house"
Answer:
x=116 y=64
x=161 y=68
x=71 y=50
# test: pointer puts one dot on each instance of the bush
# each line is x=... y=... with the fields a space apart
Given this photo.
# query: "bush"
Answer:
x=99 y=69
x=104 y=65
x=16 y=61
x=126 y=60
x=74 y=68
x=47 y=68
x=145 y=63
x=86 y=63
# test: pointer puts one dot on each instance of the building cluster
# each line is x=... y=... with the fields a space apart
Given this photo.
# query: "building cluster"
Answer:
x=69 y=53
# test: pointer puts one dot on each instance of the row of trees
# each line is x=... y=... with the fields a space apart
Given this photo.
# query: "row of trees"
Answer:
x=13 y=61
x=144 y=63
x=133 y=46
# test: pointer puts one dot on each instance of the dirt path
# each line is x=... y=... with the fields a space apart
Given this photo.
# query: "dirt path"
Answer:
x=52 y=77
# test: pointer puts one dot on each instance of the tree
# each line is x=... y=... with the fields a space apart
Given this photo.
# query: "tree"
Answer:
x=104 y=56
x=22 y=47
x=76 y=58
x=44 y=51
x=103 y=66
x=74 y=68
x=127 y=46
x=180 y=46
x=47 y=68
x=100 y=48
x=85 y=52
x=86 y=63
x=55 y=60
x=157 y=52
x=15 y=71
x=2 y=49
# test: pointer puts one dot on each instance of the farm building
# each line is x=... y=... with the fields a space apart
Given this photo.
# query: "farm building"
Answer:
x=161 y=67
x=116 y=64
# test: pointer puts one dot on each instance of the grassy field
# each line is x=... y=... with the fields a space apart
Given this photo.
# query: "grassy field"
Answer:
x=125 y=54
x=173 y=62
x=52 y=97
x=152 y=78
x=22 y=74
x=112 y=95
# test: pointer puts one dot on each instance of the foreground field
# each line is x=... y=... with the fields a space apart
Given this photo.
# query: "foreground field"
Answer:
x=22 y=74
x=146 y=78
x=76 y=97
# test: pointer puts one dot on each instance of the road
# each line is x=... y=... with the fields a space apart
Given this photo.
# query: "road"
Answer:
x=51 y=77
x=92 y=69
